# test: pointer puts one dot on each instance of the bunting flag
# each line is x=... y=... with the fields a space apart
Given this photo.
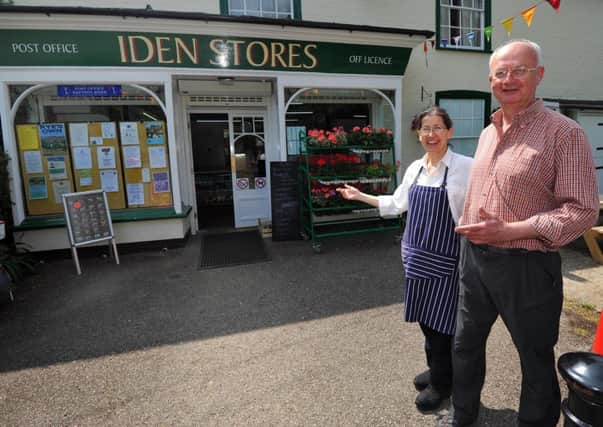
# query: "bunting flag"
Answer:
x=555 y=4
x=508 y=24
x=488 y=33
x=425 y=50
x=528 y=15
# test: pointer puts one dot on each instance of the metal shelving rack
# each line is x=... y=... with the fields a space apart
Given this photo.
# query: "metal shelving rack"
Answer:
x=325 y=216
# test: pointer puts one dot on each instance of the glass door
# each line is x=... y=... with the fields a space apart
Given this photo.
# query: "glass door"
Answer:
x=250 y=188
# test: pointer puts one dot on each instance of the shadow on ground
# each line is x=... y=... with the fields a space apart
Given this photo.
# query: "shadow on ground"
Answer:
x=157 y=298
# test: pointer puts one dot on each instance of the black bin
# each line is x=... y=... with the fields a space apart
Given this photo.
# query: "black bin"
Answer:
x=583 y=373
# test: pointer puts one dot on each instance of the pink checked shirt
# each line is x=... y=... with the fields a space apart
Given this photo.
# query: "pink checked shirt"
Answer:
x=542 y=170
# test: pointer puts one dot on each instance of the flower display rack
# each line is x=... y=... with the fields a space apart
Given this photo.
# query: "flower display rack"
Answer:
x=334 y=158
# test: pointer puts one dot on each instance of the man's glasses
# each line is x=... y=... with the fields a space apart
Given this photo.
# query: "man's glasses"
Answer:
x=516 y=73
x=436 y=129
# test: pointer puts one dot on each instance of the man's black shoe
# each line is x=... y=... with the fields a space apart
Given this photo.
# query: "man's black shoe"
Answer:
x=431 y=399
x=422 y=380
x=450 y=420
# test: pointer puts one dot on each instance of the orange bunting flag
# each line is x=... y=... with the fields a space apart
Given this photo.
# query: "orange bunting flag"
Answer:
x=528 y=15
x=425 y=46
x=555 y=4
x=508 y=24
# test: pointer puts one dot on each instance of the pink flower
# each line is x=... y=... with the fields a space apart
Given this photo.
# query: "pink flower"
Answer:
x=355 y=128
x=389 y=133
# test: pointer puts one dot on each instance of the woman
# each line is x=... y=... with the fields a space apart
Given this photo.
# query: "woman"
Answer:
x=433 y=193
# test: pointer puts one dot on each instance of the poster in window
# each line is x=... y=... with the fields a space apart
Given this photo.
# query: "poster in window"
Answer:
x=161 y=182
x=105 y=157
x=157 y=157
x=86 y=178
x=27 y=135
x=59 y=188
x=82 y=158
x=56 y=167
x=135 y=194
x=129 y=133
x=37 y=188
x=154 y=132
x=78 y=134
x=109 y=182
x=132 y=156
x=33 y=162
x=52 y=138
x=108 y=130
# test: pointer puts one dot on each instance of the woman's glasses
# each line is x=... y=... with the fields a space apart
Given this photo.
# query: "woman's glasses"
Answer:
x=436 y=129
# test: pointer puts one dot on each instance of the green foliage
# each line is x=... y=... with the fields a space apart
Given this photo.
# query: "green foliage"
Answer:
x=15 y=258
x=16 y=261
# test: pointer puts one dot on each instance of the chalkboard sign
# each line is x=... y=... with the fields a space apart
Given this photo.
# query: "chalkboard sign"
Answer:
x=87 y=216
x=284 y=191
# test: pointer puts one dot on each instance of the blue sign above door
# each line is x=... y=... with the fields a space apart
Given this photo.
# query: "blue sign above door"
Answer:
x=88 y=90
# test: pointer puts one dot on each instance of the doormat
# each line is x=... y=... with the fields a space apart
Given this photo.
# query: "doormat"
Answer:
x=234 y=248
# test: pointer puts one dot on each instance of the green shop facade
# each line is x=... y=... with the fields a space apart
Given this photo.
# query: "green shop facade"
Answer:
x=179 y=118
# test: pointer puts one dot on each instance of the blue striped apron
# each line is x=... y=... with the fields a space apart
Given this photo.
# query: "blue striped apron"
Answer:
x=430 y=252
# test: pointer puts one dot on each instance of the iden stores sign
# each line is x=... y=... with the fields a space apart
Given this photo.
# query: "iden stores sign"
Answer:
x=122 y=49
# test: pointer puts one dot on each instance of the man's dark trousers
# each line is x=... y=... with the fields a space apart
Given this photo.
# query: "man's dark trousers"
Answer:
x=525 y=288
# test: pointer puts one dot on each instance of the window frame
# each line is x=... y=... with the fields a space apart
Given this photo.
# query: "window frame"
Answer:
x=471 y=95
x=487 y=48
x=225 y=10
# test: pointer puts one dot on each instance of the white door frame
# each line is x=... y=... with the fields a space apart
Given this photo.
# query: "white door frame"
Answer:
x=239 y=196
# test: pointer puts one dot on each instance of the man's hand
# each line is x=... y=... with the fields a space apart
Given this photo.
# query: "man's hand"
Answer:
x=492 y=230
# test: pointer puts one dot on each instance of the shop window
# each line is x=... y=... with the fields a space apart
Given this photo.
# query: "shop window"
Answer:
x=460 y=24
x=277 y=9
x=74 y=138
x=469 y=112
x=325 y=108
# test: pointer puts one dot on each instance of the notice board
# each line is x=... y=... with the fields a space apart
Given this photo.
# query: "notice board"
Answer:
x=284 y=192
x=88 y=218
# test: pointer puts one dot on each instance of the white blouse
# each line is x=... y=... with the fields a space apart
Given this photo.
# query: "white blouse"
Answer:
x=459 y=167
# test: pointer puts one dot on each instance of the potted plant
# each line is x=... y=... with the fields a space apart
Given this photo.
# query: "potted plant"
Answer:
x=15 y=263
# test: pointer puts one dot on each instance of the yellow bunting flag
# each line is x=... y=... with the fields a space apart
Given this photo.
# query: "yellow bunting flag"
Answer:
x=488 y=33
x=528 y=15
x=508 y=24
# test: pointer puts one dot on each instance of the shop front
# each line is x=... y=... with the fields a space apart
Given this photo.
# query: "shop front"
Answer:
x=177 y=122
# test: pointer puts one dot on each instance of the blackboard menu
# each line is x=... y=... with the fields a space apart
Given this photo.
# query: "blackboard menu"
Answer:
x=88 y=218
x=284 y=191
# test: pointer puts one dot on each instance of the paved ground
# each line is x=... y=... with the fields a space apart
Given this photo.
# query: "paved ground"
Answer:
x=303 y=340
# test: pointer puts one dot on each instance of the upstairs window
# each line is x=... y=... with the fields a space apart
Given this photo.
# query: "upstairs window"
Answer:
x=278 y=9
x=461 y=23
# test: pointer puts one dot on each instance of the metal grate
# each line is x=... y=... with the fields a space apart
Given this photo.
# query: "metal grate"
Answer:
x=232 y=248
x=209 y=100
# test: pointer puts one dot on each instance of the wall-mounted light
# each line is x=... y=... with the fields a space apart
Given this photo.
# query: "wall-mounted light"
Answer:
x=150 y=117
x=227 y=81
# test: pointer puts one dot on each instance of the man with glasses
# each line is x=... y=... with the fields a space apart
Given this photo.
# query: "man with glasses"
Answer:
x=531 y=190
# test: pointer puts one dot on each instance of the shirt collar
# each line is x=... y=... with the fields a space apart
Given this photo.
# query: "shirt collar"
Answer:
x=443 y=161
x=522 y=118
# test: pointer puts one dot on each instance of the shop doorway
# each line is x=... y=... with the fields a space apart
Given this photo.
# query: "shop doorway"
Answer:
x=230 y=169
x=213 y=178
